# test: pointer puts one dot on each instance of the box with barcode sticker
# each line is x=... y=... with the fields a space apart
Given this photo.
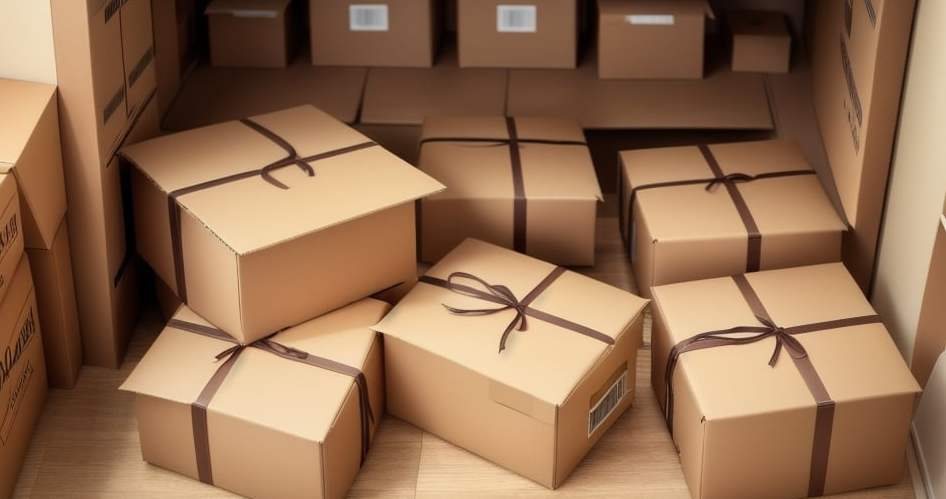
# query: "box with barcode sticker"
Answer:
x=257 y=33
x=394 y=33
x=517 y=360
x=502 y=34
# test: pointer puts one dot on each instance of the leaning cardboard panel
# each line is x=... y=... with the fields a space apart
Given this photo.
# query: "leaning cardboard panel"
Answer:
x=289 y=416
x=523 y=183
x=30 y=150
x=533 y=399
x=780 y=384
x=23 y=381
x=268 y=221
x=695 y=212
x=859 y=53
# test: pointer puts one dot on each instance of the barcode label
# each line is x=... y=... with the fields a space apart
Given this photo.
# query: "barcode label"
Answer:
x=651 y=19
x=516 y=18
x=607 y=403
x=368 y=17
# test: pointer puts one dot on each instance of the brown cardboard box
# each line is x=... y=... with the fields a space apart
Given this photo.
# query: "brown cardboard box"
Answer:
x=291 y=416
x=58 y=313
x=740 y=206
x=176 y=49
x=252 y=33
x=23 y=383
x=265 y=222
x=30 y=150
x=817 y=402
x=651 y=39
x=534 y=34
x=759 y=41
x=536 y=407
x=859 y=51
x=11 y=231
x=522 y=183
x=400 y=33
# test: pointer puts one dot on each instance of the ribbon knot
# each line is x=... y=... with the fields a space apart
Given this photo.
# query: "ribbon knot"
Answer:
x=783 y=340
x=731 y=178
x=496 y=293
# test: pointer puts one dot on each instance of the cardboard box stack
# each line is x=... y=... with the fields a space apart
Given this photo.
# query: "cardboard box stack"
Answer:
x=30 y=153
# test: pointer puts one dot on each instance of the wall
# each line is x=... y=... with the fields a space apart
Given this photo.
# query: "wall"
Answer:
x=26 y=46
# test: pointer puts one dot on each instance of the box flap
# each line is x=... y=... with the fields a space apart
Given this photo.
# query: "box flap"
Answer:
x=251 y=211
x=544 y=360
x=269 y=9
x=21 y=106
x=293 y=397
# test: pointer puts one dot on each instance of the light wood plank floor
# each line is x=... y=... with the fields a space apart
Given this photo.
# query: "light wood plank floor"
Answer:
x=86 y=445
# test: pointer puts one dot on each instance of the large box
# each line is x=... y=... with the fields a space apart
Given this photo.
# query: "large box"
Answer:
x=30 y=150
x=651 y=39
x=256 y=33
x=759 y=41
x=397 y=33
x=695 y=212
x=23 y=381
x=533 y=34
x=265 y=222
x=523 y=183
x=533 y=399
x=11 y=231
x=780 y=384
x=289 y=416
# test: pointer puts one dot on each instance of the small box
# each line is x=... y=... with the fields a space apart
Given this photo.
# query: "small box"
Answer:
x=395 y=33
x=651 y=39
x=251 y=33
x=696 y=212
x=290 y=416
x=268 y=221
x=524 y=183
x=23 y=386
x=760 y=41
x=533 y=34
x=533 y=399
x=780 y=384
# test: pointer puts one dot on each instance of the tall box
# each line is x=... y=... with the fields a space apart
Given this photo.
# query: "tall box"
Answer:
x=533 y=34
x=290 y=416
x=252 y=33
x=530 y=385
x=651 y=39
x=395 y=33
x=780 y=384
x=265 y=222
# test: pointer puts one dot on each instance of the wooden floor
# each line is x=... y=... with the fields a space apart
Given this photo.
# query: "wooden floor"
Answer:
x=86 y=445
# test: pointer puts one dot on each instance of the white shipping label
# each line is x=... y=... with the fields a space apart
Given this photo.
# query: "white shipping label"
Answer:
x=651 y=19
x=516 y=18
x=368 y=17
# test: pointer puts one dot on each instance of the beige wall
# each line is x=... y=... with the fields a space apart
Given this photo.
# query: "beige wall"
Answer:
x=26 y=46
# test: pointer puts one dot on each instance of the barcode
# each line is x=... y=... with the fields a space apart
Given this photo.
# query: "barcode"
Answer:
x=368 y=17
x=516 y=18
x=608 y=402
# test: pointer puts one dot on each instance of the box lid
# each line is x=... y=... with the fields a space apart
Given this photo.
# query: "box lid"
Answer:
x=249 y=211
x=269 y=9
x=655 y=8
x=543 y=360
x=294 y=397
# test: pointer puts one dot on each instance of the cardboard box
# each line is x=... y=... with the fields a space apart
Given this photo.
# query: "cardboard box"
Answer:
x=522 y=183
x=651 y=39
x=58 y=312
x=176 y=49
x=398 y=33
x=11 y=231
x=534 y=399
x=30 y=150
x=782 y=384
x=759 y=41
x=331 y=219
x=534 y=34
x=859 y=53
x=741 y=206
x=252 y=33
x=290 y=416
x=23 y=383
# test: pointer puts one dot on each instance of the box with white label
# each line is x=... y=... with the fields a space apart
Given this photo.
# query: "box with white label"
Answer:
x=396 y=33
x=504 y=34
x=259 y=33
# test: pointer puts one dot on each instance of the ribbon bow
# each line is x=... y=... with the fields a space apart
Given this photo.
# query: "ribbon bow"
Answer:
x=496 y=293
x=729 y=177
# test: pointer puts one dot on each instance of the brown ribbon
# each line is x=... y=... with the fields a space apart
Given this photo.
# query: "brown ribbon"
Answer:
x=754 y=246
x=501 y=294
x=518 y=183
x=291 y=158
x=784 y=339
x=199 y=406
